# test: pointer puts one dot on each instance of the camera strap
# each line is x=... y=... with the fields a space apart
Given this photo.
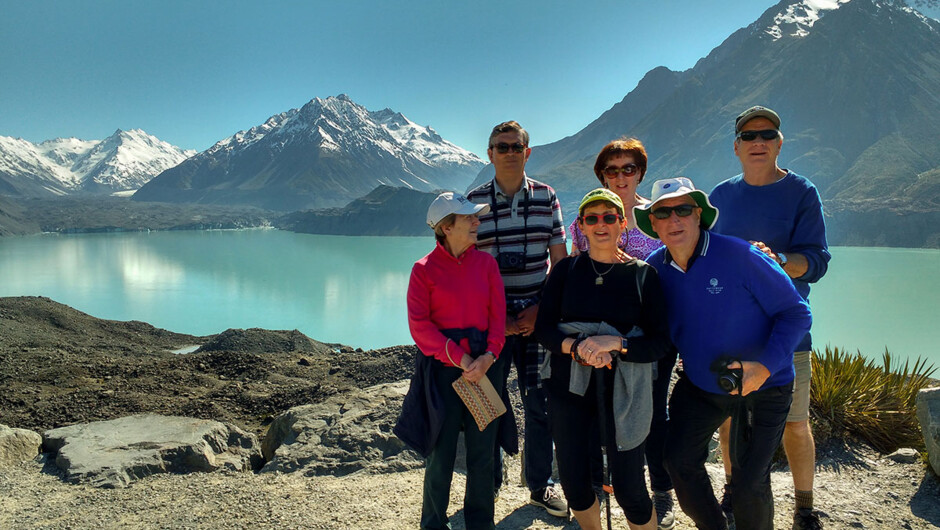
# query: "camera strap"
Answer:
x=525 y=218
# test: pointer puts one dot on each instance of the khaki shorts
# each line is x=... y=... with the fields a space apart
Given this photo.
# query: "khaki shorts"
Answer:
x=803 y=366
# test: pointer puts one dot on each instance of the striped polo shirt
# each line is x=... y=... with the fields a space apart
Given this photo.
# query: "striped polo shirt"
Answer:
x=531 y=221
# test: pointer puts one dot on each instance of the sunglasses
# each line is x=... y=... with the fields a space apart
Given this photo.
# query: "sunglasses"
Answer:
x=503 y=147
x=628 y=170
x=607 y=219
x=683 y=210
x=766 y=134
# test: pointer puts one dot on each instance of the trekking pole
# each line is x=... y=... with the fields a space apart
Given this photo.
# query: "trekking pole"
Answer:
x=602 y=417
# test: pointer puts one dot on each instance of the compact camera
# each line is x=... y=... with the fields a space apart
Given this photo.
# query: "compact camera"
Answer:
x=729 y=379
x=511 y=261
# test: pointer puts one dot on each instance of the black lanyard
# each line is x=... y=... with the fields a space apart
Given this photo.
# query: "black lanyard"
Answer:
x=525 y=217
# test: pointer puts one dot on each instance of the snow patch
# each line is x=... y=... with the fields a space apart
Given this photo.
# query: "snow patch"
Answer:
x=797 y=19
x=126 y=160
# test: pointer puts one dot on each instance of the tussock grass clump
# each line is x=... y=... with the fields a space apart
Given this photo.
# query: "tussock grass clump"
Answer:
x=851 y=395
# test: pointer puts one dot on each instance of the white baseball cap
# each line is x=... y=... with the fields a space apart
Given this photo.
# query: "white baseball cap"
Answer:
x=450 y=202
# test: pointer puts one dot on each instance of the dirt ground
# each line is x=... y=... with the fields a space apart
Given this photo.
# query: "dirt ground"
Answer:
x=59 y=366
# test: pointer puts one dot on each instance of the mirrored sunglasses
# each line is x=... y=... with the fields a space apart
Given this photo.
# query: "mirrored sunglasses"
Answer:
x=628 y=170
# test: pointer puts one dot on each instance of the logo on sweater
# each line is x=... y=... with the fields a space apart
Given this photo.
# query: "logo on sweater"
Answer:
x=713 y=287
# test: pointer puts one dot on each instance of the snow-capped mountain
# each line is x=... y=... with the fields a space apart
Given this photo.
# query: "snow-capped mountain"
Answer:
x=856 y=85
x=327 y=153
x=126 y=160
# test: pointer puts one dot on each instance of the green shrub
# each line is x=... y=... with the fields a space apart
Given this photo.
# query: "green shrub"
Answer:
x=852 y=396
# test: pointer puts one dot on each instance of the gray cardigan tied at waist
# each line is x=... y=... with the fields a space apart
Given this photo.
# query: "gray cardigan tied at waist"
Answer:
x=633 y=385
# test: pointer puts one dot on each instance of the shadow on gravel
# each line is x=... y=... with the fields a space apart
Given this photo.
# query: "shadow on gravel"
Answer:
x=926 y=502
x=837 y=456
x=527 y=516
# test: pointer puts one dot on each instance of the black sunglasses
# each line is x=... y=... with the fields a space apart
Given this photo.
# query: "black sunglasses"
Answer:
x=607 y=218
x=628 y=170
x=683 y=210
x=766 y=134
x=503 y=147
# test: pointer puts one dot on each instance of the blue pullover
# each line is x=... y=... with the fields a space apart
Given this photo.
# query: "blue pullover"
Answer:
x=733 y=303
x=786 y=215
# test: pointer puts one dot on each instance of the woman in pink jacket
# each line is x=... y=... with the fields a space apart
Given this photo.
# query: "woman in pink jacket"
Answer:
x=456 y=312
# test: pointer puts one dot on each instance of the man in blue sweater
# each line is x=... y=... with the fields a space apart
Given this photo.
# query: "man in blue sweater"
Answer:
x=736 y=319
x=780 y=213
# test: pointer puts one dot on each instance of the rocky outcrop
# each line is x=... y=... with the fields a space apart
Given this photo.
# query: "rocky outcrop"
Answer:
x=17 y=445
x=342 y=435
x=385 y=211
x=114 y=453
x=928 y=413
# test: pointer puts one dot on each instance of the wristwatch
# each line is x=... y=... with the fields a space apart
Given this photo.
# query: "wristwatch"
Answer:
x=783 y=259
x=623 y=345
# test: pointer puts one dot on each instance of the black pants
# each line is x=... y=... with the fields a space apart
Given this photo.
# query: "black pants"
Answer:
x=439 y=466
x=656 y=440
x=572 y=417
x=757 y=422
x=538 y=455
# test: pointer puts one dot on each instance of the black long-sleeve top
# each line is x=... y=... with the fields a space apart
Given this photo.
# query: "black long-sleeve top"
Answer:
x=571 y=295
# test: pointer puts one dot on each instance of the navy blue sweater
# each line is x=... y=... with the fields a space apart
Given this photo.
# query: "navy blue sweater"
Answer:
x=786 y=215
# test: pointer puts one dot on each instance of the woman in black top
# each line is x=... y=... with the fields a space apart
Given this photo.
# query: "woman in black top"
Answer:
x=603 y=317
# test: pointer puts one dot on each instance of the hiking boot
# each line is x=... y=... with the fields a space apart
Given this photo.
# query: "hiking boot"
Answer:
x=805 y=519
x=665 y=514
x=548 y=498
x=727 y=508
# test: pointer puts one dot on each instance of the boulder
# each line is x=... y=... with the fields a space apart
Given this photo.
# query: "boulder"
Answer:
x=928 y=414
x=905 y=455
x=114 y=453
x=342 y=435
x=17 y=445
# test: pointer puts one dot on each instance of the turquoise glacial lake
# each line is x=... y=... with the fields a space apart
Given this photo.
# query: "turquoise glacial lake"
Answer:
x=351 y=290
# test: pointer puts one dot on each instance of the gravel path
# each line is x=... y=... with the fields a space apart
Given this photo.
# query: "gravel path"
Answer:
x=855 y=489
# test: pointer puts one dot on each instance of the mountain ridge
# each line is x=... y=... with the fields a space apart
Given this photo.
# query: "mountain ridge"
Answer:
x=324 y=154
x=855 y=87
x=123 y=161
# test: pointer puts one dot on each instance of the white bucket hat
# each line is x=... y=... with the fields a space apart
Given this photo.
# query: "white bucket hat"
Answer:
x=667 y=189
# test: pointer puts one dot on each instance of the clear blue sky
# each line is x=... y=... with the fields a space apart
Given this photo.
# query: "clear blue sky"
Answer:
x=194 y=72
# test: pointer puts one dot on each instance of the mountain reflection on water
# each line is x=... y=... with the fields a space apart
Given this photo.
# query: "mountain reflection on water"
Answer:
x=352 y=290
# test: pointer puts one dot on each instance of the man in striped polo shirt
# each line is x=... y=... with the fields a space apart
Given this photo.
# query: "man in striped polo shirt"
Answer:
x=524 y=231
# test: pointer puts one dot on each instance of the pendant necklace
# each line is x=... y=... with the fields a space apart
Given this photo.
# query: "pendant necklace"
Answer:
x=600 y=275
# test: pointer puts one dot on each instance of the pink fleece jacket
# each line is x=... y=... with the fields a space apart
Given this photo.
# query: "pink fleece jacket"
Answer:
x=445 y=292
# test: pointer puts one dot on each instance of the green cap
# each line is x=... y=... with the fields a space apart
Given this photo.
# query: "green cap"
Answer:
x=601 y=194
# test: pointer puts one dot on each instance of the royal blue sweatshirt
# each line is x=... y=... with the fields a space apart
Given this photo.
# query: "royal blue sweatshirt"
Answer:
x=786 y=215
x=733 y=303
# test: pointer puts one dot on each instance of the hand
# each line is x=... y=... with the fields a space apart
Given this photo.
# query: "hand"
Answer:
x=478 y=367
x=512 y=327
x=766 y=250
x=525 y=320
x=754 y=375
x=596 y=350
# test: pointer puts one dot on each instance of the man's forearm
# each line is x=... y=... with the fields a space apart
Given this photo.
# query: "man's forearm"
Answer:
x=796 y=266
